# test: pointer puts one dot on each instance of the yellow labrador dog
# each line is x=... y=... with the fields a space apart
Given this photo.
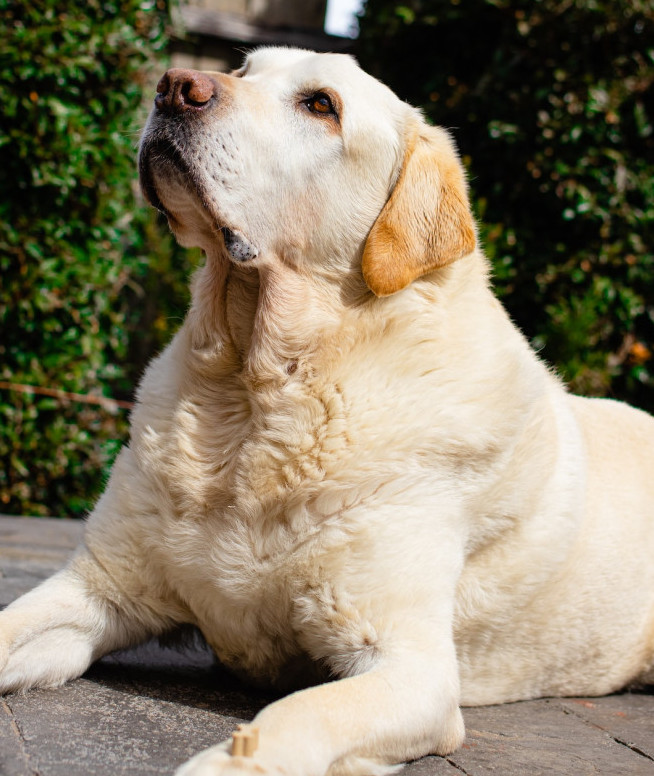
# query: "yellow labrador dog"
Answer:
x=348 y=456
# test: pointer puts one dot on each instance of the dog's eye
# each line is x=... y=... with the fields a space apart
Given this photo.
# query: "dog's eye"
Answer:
x=321 y=104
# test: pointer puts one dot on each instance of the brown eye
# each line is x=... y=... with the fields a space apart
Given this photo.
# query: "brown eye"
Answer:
x=320 y=103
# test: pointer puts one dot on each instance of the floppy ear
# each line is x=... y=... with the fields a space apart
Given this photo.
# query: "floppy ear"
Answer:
x=426 y=223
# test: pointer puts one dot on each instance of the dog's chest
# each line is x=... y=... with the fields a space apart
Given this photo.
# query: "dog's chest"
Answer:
x=241 y=599
x=249 y=577
x=246 y=478
x=234 y=449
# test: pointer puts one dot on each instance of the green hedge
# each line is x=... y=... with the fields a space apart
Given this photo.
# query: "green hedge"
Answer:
x=75 y=242
x=552 y=105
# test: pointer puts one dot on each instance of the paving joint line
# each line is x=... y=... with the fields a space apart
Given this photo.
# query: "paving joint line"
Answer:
x=19 y=734
x=612 y=736
x=457 y=766
x=633 y=747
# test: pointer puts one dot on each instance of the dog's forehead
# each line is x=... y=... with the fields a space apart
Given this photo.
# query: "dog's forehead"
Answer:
x=302 y=69
x=274 y=58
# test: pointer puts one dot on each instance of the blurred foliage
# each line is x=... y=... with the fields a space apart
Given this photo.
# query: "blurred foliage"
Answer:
x=552 y=105
x=76 y=242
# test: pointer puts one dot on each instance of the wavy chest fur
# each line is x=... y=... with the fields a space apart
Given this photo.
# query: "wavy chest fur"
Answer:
x=245 y=450
x=253 y=420
x=255 y=516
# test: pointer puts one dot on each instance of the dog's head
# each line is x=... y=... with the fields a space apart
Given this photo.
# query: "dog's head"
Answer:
x=306 y=158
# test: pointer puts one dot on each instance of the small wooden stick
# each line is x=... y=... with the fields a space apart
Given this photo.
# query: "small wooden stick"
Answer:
x=245 y=741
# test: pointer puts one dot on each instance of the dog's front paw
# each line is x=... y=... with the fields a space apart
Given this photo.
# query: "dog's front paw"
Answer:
x=218 y=761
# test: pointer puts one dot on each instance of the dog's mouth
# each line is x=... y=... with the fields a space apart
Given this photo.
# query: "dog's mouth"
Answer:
x=239 y=248
x=160 y=162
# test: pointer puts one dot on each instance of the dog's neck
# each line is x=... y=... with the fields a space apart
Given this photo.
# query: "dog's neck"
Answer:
x=262 y=322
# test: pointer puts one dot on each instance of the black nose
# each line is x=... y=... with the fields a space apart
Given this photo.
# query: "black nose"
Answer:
x=184 y=90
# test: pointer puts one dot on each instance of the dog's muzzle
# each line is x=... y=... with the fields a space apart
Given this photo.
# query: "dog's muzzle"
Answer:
x=183 y=97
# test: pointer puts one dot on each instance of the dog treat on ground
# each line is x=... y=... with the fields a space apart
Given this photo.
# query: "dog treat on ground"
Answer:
x=245 y=741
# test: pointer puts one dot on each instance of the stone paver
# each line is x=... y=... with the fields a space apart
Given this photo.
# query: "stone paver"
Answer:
x=146 y=710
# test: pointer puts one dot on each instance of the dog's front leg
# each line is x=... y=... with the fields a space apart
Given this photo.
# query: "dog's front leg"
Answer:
x=100 y=602
x=379 y=611
x=55 y=631
x=404 y=707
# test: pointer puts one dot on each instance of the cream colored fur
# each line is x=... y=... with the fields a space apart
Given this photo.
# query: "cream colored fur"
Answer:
x=392 y=486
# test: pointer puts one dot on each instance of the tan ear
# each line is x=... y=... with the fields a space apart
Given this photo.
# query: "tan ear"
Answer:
x=426 y=223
